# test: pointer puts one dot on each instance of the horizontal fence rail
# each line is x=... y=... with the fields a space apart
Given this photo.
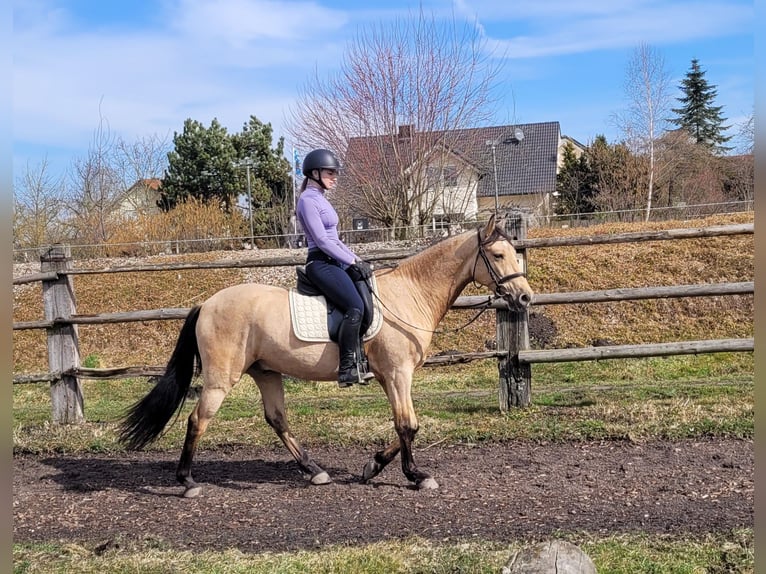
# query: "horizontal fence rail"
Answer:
x=664 y=235
x=636 y=351
x=466 y=302
x=300 y=258
x=513 y=354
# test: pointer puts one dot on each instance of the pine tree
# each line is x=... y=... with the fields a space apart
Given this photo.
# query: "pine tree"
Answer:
x=574 y=184
x=201 y=165
x=698 y=115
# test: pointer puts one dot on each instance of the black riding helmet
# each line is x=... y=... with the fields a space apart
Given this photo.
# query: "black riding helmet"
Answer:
x=319 y=159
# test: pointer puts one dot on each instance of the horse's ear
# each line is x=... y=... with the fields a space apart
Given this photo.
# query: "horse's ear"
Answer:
x=489 y=228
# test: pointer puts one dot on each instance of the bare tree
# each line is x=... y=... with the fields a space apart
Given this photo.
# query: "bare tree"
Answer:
x=741 y=172
x=644 y=120
x=95 y=191
x=392 y=112
x=694 y=175
x=143 y=159
x=618 y=175
x=746 y=134
x=99 y=181
x=38 y=201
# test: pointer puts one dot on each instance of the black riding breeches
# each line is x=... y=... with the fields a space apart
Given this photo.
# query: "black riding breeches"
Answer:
x=336 y=285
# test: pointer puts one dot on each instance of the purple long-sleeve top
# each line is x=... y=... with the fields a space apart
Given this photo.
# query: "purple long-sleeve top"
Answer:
x=320 y=225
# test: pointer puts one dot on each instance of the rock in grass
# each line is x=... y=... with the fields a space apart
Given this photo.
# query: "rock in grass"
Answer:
x=553 y=557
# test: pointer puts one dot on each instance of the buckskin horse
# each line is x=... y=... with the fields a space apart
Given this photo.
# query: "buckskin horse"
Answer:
x=242 y=329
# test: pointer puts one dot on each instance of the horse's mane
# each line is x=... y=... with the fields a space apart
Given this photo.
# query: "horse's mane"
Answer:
x=412 y=265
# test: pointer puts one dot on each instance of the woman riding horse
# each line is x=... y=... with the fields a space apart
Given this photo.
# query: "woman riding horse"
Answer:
x=242 y=329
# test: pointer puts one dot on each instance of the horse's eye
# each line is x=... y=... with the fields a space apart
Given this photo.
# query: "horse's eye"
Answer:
x=498 y=256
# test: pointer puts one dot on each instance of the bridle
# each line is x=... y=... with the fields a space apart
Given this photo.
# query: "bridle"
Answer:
x=494 y=275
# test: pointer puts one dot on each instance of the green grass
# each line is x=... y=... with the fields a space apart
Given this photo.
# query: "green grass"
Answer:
x=711 y=554
x=633 y=553
x=643 y=399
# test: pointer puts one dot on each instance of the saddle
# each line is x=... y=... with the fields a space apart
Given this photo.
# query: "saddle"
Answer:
x=315 y=319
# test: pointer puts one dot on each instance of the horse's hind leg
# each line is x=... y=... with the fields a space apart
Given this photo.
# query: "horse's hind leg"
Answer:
x=209 y=402
x=273 y=396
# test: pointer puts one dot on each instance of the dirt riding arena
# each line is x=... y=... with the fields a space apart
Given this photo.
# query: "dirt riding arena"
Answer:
x=256 y=500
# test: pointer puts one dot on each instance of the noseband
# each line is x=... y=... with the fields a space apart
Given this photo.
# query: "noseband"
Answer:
x=494 y=275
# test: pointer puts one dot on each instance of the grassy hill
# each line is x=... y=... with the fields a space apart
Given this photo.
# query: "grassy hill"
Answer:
x=550 y=270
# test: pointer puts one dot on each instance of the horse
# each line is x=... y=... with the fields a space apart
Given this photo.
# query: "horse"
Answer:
x=242 y=329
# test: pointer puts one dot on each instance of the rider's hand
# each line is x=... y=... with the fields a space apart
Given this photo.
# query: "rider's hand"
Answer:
x=364 y=269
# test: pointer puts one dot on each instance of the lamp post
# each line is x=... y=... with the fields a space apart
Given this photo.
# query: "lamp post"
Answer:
x=247 y=163
x=516 y=138
x=493 y=145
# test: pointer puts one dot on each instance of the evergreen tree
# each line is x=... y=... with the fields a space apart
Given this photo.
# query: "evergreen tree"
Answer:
x=698 y=115
x=574 y=184
x=214 y=166
x=270 y=182
x=202 y=165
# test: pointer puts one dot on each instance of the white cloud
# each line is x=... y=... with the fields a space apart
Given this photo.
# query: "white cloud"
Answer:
x=233 y=58
x=237 y=22
x=226 y=59
x=559 y=27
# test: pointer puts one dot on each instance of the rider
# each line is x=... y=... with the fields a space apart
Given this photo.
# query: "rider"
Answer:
x=329 y=260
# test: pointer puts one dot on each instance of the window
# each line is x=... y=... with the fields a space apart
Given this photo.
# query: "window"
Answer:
x=432 y=176
x=449 y=175
x=441 y=177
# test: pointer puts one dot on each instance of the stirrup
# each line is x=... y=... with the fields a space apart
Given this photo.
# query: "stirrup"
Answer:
x=364 y=378
x=355 y=375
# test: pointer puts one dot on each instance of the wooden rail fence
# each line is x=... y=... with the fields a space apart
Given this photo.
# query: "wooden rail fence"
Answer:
x=512 y=333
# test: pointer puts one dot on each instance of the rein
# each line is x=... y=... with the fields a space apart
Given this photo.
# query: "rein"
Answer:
x=496 y=278
x=481 y=306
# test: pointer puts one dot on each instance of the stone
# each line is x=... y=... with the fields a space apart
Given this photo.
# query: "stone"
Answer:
x=552 y=557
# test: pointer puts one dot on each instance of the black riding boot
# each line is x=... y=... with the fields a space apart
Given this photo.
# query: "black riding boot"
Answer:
x=348 y=342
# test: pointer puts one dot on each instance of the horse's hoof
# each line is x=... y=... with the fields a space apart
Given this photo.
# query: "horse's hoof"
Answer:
x=321 y=478
x=371 y=469
x=193 y=491
x=428 y=484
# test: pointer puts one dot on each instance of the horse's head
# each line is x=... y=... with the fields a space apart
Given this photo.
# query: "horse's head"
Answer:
x=499 y=268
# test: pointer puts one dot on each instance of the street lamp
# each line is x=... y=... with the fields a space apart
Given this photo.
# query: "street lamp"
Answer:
x=247 y=163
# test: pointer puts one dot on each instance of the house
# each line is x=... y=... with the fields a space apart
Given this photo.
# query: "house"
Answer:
x=458 y=174
x=141 y=197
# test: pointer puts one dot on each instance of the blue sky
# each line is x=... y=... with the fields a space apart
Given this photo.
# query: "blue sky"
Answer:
x=146 y=66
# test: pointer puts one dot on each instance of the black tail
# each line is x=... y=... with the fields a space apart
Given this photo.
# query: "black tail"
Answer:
x=145 y=420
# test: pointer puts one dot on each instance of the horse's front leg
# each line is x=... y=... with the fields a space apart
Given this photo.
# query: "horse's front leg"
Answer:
x=380 y=461
x=399 y=393
x=406 y=431
x=273 y=396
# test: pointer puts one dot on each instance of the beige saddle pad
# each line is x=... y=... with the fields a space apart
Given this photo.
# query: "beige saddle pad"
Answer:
x=308 y=315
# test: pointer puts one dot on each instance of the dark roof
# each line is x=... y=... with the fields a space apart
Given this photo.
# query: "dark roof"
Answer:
x=525 y=165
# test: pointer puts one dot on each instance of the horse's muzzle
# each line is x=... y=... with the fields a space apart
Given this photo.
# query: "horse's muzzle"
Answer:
x=523 y=300
x=519 y=301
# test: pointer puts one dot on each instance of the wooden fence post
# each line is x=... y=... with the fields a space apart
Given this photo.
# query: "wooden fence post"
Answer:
x=63 y=345
x=512 y=328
